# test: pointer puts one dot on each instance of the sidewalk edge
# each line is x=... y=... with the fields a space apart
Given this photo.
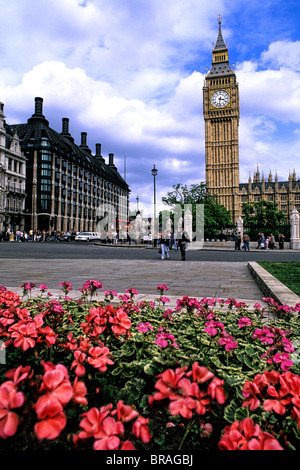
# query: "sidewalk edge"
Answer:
x=271 y=287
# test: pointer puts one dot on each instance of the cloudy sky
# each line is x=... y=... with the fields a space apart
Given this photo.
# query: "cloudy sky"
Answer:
x=130 y=73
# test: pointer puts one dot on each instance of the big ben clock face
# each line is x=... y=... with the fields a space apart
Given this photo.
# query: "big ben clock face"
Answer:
x=220 y=99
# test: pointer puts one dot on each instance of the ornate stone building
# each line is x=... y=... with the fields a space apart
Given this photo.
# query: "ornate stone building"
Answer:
x=221 y=117
x=12 y=178
x=67 y=187
x=286 y=194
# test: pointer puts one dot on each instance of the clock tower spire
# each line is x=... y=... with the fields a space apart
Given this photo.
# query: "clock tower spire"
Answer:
x=221 y=117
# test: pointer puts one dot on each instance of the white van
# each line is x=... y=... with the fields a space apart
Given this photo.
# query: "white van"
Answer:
x=87 y=236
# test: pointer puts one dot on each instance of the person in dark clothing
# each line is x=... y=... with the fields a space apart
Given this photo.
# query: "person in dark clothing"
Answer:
x=238 y=241
x=281 y=241
x=165 y=244
x=182 y=242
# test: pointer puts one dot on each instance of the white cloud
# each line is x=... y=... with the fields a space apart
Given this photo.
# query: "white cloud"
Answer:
x=271 y=92
x=283 y=54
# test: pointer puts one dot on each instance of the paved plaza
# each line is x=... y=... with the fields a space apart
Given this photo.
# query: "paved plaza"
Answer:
x=191 y=278
x=142 y=269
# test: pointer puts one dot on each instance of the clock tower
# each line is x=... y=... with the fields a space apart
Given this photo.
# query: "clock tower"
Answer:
x=221 y=117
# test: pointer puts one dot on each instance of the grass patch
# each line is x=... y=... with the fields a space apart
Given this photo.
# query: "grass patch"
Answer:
x=287 y=272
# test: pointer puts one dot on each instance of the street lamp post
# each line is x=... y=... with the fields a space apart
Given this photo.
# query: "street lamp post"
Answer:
x=154 y=173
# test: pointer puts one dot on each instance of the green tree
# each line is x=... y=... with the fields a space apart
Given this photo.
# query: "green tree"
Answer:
x=263 y=216
x=216 y=216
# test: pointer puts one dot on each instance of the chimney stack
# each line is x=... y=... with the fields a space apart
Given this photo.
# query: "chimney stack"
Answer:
x=38 y=107
x=98 y=150
x=65 y=126
x=111 y=160
x=83 y=144
x=65 y=129
x=38 y=112
x=83 y=139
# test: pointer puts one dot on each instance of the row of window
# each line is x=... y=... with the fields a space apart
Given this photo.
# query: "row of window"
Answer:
x=15 y=204
x=60 y=168
x=15 y=165
x=270 y=197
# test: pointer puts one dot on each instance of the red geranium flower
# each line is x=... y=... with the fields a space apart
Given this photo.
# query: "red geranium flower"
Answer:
x=246 y=435
x=53 y=421
x=9 y=399
x=140 y=429
x=107 y=436
x=99 y=358
x=121 y=322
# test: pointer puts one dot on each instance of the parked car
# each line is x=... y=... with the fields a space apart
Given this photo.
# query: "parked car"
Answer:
x=87 y=236
x=67 y=237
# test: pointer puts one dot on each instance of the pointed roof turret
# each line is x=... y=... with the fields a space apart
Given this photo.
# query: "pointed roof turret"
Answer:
x=220 y=44
x=220 y=59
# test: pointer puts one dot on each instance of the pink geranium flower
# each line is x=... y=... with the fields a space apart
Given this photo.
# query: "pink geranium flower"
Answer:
x=162 y=287
x=228 y=342
x=144 y=327
x=244 y=321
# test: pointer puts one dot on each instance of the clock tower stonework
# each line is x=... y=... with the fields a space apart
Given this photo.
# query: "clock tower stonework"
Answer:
x=221 y=117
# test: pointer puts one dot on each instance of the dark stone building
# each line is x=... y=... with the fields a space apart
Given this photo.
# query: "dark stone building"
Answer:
x=67 y=187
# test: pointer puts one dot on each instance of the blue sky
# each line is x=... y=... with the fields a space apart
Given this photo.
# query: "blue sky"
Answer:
x=130 y=73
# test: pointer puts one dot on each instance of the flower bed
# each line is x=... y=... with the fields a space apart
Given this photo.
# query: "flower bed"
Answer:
x=122 y=375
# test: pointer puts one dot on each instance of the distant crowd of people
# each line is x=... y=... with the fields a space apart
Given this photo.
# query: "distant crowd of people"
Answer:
x=263 y=242
x=8 y=235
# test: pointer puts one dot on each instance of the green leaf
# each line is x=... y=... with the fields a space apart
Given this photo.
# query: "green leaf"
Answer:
x=235 y=411
x=248 y=362
x=250 y=350
x=241 y=413
x=150 y=369
x=229 y=411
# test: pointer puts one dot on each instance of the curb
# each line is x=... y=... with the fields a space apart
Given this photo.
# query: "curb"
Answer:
x=271 y=287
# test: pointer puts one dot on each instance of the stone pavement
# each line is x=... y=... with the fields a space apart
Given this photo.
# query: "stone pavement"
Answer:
x=192 y=278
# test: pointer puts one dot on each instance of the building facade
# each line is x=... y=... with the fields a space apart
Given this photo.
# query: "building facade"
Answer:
x=12 y=178
x=286 y=194
x=221 y=118
x=67 y=187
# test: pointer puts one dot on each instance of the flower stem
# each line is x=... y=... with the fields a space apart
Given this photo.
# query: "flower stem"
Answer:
x=186 y=433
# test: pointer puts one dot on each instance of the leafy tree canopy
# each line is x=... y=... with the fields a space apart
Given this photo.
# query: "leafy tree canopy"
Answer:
x=262 y=216
x=216 y=216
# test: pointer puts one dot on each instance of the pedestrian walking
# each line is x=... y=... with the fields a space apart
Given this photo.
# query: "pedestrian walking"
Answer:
x=165 y=244
x=263 y=241
x=246 y=241
x=258 y=241
x=183 y=239
x=272 y=242
x=175 y=241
